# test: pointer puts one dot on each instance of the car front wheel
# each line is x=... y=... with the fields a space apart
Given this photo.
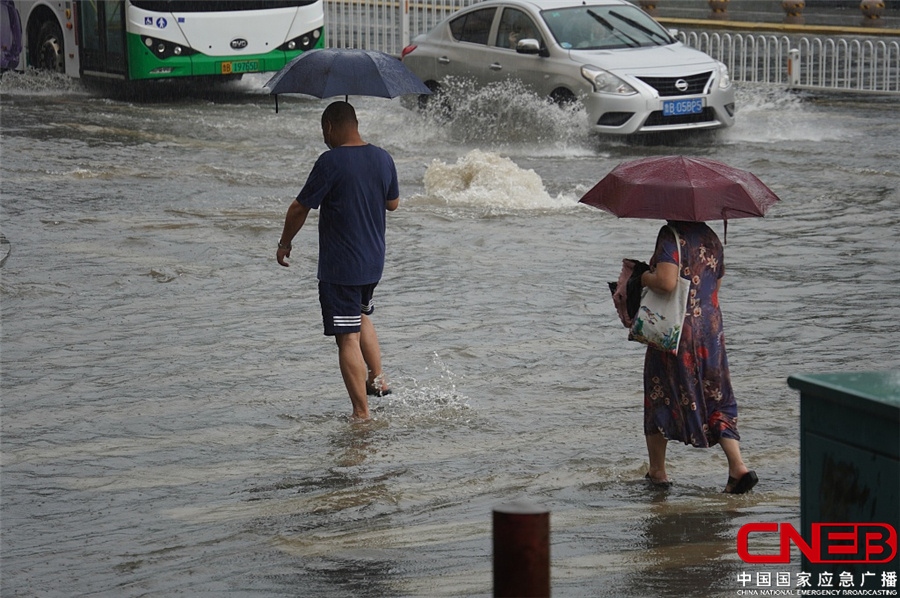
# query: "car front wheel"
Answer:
x=562 y=97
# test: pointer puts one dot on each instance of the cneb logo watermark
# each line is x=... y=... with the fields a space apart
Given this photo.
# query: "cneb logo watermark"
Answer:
x=830 y=543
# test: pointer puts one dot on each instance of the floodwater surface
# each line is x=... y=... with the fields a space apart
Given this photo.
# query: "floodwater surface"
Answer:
x=174 y=422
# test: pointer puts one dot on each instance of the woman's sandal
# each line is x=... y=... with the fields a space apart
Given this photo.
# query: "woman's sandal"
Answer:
x=743 y=485
x=660 y=484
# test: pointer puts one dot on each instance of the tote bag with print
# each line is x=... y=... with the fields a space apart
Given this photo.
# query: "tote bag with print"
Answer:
x=660 y=319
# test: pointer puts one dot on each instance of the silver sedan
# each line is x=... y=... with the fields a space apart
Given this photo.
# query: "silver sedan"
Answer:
x=629 y=72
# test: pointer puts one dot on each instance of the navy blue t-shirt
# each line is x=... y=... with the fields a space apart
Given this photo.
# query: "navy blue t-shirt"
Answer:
x=351 y=184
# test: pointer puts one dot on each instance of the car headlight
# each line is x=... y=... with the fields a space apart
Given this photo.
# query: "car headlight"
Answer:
x=724 y=78
x=606 y=82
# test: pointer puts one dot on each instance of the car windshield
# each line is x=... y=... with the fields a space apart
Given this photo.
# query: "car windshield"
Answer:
x=604 y=27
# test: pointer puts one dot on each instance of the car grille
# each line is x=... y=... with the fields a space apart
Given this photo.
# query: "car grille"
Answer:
x=666 y=85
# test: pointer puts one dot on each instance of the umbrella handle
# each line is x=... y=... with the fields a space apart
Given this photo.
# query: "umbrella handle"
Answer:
x=276 y=103
x=725 y=220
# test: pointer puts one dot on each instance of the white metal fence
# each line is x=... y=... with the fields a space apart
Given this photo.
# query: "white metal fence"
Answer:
x=850 y=64
x=383 y=25
x=821 y=63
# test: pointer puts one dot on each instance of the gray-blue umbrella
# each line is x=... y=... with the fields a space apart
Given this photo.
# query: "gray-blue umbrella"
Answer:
x=330 y=72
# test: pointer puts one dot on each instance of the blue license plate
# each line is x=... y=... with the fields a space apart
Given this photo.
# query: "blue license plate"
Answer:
x=679 y=107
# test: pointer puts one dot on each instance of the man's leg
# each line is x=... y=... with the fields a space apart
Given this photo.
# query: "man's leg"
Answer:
x=371 y=351
x=353 y=370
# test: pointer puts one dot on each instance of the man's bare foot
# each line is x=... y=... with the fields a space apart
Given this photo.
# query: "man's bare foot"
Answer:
x=358 y=419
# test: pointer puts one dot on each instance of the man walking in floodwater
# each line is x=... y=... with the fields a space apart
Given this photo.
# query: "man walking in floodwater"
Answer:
x=354 y=183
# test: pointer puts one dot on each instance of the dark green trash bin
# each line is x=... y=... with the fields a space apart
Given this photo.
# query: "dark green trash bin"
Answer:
x=849 y=463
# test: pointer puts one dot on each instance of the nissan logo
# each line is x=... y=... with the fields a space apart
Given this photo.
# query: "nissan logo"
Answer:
x=680 y=85
x=240 y=43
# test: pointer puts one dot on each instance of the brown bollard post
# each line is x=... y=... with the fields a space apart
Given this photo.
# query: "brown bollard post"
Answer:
x=521 y=551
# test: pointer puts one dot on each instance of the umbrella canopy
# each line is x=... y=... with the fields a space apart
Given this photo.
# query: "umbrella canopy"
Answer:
x=679 y=188
x=329 y=72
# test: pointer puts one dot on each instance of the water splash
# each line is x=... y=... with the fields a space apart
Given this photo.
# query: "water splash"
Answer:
x=490 y=182
x=506 y=113
x=769 y=114
x=40 y=82
x=415 y=402
x=254 y=83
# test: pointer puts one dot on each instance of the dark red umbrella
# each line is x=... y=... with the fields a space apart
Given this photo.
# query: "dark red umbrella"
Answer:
x=679 y=188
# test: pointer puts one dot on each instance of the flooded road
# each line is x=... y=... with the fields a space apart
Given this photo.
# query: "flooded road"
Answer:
x=174 y=422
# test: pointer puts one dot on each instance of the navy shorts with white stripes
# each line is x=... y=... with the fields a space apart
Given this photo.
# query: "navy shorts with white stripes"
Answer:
x=342 y=306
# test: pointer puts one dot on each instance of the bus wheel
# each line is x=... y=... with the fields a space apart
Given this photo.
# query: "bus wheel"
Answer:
x=51 y=51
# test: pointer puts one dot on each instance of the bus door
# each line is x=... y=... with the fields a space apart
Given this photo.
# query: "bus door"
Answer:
x=101 y=25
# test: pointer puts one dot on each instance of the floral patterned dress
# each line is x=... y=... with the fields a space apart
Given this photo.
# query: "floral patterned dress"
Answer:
x=688 y=396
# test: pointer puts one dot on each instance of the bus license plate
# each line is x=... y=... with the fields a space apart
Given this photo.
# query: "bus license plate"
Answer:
x=679 y=107
x=240 y=66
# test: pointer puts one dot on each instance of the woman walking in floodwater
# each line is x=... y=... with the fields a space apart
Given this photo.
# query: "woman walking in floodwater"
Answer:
x=688 y=395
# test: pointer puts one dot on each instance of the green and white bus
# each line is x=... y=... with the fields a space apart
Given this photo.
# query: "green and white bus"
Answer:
x=135 y=40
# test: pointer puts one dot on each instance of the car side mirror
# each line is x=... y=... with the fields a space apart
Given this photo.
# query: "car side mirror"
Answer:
x=529 y=46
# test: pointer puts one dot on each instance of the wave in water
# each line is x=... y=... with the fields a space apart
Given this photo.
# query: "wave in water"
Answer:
x=770 y=114
x=504 y=115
